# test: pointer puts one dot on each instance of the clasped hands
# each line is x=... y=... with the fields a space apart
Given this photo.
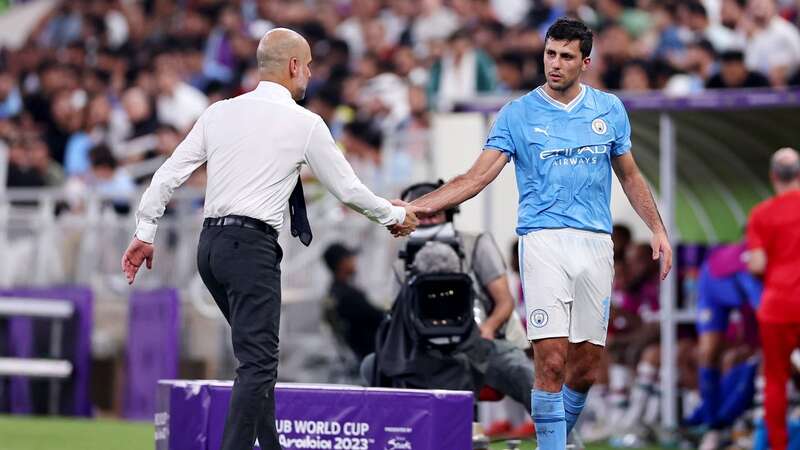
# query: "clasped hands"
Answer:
x=413 y=214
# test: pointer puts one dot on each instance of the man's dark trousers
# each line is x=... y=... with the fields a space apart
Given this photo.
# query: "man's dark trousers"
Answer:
x=241 y=268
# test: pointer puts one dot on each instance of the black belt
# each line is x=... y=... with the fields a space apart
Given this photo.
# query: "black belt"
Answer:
x=240 y=221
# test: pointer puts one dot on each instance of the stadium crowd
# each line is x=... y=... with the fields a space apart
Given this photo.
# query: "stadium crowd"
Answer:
x=102 y=92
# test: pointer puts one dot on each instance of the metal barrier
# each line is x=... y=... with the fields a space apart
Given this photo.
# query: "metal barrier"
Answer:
x=55 y=369
x=48 y=242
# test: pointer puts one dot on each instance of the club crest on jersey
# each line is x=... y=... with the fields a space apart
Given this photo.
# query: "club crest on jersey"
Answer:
x=599 y=126
x=539 y=318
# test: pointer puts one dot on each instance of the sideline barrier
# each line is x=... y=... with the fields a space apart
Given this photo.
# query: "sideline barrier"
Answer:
x=190 y=414
x=153 y=349
x=69 y=308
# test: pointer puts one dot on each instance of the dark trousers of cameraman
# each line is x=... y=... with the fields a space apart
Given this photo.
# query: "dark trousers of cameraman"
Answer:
x=510 y=371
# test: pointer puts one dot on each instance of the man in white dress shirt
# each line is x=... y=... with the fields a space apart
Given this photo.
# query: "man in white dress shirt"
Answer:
x=255 y=145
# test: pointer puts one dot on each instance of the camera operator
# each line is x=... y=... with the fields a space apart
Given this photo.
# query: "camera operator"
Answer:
x=485 y=354
x=481 y=260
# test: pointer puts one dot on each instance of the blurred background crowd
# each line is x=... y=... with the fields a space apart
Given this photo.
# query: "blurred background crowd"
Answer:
x=101 y=91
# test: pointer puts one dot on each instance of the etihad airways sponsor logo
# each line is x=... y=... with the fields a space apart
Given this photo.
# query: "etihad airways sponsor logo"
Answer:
x=587 y=154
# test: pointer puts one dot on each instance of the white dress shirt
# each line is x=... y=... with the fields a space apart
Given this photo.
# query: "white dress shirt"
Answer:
x=255 y=145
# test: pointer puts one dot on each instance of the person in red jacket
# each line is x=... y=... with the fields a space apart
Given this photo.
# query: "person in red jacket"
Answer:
x=773 y=238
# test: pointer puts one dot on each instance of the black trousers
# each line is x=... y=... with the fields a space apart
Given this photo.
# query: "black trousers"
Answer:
x=241 y=268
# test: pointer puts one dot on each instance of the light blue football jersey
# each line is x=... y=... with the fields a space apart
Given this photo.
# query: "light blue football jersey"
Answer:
x=562 y=154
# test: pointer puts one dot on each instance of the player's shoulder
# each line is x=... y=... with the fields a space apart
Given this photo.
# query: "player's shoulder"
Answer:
x=602 y=101
x=522 y=105
x=517 y=104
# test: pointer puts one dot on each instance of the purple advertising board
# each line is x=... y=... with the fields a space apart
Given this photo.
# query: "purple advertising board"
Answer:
x=191 y=415
x=76 y=347
x=153 y=348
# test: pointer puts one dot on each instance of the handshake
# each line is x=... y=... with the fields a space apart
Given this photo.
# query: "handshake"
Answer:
x=413 y=215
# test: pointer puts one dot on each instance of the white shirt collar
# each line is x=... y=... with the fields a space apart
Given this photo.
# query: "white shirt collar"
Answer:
x=272 y=89
x=565 y=106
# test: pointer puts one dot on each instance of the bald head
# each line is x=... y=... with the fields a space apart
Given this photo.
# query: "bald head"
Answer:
x=283 y=57
x=277 y=48
x=785 y=165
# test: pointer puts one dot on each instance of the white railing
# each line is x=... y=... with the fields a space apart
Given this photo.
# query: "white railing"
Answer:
x=45 y=242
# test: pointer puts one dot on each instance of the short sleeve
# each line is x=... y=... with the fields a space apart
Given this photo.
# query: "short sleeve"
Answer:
x=622 y=129
x=755 y=231
x=500 y=135
x=488 y=262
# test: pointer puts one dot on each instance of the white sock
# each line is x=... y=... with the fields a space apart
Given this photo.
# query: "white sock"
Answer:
x=642 y=390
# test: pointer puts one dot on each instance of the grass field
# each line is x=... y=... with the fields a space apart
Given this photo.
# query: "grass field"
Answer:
x=18 y=433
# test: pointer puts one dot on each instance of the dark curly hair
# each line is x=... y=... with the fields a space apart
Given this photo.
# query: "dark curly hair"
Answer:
x=571 y=30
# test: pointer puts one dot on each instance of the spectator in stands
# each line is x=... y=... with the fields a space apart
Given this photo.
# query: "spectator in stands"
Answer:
x=110 y=180
x=699 y=65
x=21 y=172
x=461 y=73
x=510 y=73
x=347 y=309
x=733 y=73
x=635 y=76
x=622 y=238
x=65 y=113
x=168 y=139
x=773 y=238
x=353 y=29
x=773 y=44
x=40 y=160
x=325 y=103
x=140 y=128
x=178 y=103
x=96 y=130
x=219 y=62
x=721 y=37
x=10 y=98
x=731 y=14
x=635 y=21
x=435 y=22
x=616 y=49
x=363 y=143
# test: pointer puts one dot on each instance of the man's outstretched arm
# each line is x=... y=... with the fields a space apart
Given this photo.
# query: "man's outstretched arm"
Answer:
x=641 y=199
x=465 y=186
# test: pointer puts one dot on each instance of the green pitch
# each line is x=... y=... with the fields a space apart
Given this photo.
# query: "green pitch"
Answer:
x=17 y=433
x=25 y=433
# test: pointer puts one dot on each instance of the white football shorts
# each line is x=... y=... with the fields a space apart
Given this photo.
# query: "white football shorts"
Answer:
x=566 y=281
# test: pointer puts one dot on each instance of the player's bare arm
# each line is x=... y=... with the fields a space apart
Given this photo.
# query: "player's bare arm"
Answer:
x=465 y=186
x=641 y=199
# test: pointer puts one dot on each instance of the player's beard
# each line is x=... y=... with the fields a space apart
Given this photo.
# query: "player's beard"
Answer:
x=563 y=86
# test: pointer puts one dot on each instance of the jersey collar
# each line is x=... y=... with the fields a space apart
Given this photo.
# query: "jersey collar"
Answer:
x=568 y=107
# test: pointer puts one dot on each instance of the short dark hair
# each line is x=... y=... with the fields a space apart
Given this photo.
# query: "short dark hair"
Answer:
x=697 y=8
x=101 y=156
x=513 y=59
x=732 y=56
x=571 y=30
